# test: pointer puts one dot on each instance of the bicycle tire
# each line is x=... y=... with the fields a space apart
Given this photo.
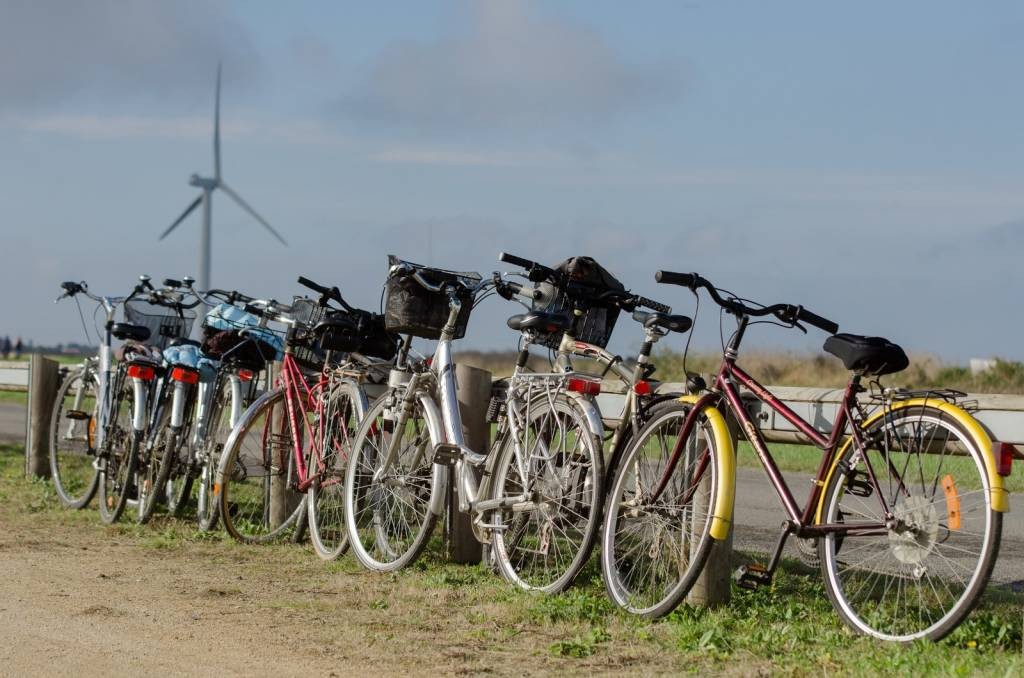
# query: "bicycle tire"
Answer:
x=650 y=580
x=246 y=508
x=567 y=516
x=959 y=541
x=75 y=475
x=204 y=469
x=325 y=501
x=117 y=472
x=163 y=458
x=368 y=511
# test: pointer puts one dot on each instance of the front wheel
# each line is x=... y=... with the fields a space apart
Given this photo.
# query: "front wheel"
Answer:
x=73 y=438
x=388 y=510
x=654 y=543
x=925 y=565
x=551 y=481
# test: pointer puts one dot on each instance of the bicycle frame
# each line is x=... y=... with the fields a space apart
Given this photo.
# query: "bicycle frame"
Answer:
x=726 y=395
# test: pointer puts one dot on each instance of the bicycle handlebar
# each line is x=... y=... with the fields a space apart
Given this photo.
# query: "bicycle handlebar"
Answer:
x=326 y=293
x=787 y=313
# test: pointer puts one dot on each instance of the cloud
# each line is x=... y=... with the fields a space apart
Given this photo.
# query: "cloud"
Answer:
x=53 y=51
x=512 y=66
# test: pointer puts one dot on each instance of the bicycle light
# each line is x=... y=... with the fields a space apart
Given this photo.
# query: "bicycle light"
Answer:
x=246 y=375
x=1004 y=459
x=185 y=375
x=642 y=388
x=586 y=385
x=143 y=372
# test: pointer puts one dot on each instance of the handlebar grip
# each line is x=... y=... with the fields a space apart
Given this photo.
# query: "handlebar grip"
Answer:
x=255 y=310
x=823 y=324
x=171 y=282
x=306 y=282
x=515 y=261
x=681 y=279
x=653 y=305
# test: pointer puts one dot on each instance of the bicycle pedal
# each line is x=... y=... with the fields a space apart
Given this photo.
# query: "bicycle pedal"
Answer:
x=752 y=576
x=447 y=453
x=858 y=487
x=78 y=415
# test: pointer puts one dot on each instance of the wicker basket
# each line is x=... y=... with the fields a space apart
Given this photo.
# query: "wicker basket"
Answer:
x=594 y=326
x=409 y=308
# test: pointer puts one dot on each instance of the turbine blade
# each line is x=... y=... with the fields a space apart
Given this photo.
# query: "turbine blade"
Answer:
x=188 y=211
x=216 y=130
x=245 y=206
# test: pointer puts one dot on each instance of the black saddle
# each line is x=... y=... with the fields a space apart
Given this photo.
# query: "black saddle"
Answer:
x=672 y=323
x=124 y=331
x=540 y=321
x=871 y=356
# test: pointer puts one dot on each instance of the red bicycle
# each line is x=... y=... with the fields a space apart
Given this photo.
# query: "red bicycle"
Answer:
x=906 y=507
x=295 y=437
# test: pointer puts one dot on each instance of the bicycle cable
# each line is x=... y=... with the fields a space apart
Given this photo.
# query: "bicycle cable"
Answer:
x=85 y=328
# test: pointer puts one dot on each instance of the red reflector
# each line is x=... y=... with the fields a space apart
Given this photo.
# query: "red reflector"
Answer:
x=245 y=375
x=185 y=375
x=1004 y=460
x=642 y=388
x=584 y=385
x=142 y=372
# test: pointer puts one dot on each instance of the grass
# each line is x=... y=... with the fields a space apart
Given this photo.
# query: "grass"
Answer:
x=789 y=628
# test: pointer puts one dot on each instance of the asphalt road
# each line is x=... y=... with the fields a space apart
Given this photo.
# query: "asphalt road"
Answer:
x=759 y=512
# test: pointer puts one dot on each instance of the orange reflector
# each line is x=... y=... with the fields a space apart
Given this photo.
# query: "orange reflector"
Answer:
x=183 y=374
x=1004 y=460
x=642 y=388
x=952 y=502
x=246 y=375
x=584 y=385
x=143 y=372
x=216 y=489
x=91 y=431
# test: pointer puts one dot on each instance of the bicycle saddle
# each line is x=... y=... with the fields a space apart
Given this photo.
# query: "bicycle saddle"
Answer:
x=672 y=323
x=540 y=321
x=125 y=331
x=872 y=356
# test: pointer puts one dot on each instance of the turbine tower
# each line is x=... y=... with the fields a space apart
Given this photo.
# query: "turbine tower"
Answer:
x=208 y=185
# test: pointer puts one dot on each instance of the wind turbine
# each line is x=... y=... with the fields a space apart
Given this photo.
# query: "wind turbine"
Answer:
x=208 y=185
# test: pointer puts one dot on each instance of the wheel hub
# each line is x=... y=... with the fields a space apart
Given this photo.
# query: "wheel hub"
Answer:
x=916 y=530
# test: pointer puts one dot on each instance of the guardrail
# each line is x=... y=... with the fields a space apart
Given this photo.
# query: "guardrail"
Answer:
x=13 y=375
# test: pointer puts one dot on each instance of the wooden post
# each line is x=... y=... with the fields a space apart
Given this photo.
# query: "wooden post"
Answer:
x=714 y=585
x=43 y=383
x=474 y=393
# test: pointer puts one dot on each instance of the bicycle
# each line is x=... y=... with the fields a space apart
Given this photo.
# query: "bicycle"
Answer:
x=294 y=438
x=215 y=380
x=906 y=505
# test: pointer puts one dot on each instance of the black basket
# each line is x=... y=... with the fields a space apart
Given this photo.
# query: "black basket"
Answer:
x=164 y=324
x=409 y=308
x=593 y=327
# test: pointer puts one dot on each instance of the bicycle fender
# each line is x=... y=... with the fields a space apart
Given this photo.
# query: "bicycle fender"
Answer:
x=997 y=489
x=439 y=475
x=721 y=519
x=592 y=414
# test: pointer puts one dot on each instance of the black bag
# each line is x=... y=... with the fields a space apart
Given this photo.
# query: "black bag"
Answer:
x=247 y=352
x=589 y=279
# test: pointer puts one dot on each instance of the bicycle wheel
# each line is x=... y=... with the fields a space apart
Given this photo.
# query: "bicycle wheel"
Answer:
x=256 y=503
x=155 y=471
x=922 y=575
x=388 y=516
x=326 y=499
x=72 y=438
x=543 y=540
x=206 y=458
x=654 y=547
x=117 y=468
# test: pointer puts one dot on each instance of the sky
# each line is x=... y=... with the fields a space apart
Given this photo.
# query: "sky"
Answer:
x=864 y=159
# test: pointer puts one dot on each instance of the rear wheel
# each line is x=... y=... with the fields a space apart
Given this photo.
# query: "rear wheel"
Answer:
x=117 y=474
x=206 y=459
x=252 y=480
x=545 y=538
x=162 y=463
x=653 y=547
x=920 y=574
x=72 y=439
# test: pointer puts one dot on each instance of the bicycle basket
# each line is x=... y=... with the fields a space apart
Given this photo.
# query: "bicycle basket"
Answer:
x=409 y=308
x=306 y=313
x=597 y=321
x=164 y=323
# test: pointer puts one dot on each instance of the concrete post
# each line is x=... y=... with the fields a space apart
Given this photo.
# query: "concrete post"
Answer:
x=43 y=383
x=714 y=585
x=474 y=393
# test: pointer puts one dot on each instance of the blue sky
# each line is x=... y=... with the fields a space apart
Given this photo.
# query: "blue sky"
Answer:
x=863 y=159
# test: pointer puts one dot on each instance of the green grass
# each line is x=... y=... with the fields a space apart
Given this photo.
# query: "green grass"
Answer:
x=789 y=628
x=19 y=397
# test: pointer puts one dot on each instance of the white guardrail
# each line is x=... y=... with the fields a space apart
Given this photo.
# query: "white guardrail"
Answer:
x=13 y=375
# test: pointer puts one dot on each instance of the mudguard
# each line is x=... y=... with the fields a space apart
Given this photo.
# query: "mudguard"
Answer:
x=721 y=520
